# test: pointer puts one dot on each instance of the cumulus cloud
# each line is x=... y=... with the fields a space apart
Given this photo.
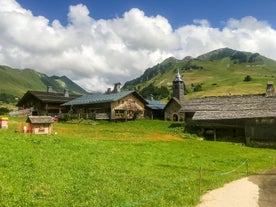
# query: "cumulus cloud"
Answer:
x=97 y=53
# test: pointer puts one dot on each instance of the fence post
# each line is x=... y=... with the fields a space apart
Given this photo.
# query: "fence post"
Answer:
x=200 y=179
x=246 y=163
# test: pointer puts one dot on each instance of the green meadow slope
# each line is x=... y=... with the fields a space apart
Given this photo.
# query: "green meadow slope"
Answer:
x=15 y=82
x=217 y=73
x=137 y=163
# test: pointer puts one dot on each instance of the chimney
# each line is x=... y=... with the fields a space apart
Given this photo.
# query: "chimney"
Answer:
x=66 y=93
x=151 y=97
x=49 y=89
x=108 y=91
x=269 y=89
x=117 y=87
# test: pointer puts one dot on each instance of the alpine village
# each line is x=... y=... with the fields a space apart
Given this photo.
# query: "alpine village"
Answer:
x=223 y=95
x=161 y=139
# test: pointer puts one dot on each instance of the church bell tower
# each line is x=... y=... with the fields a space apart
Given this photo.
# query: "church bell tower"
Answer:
x=178 y=88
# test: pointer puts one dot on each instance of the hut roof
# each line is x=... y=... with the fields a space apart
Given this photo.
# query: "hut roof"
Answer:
x=39 y=120
x=101 y=98
x=231 y=107
x=46 y=97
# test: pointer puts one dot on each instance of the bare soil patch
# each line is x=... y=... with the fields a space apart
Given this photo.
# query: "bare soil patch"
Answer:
x=253 y=191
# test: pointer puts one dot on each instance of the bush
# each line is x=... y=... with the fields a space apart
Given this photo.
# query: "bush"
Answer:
x=7 y=98
x=4 y=110
x=247 y=78
x=197 y=87
x=158 y=93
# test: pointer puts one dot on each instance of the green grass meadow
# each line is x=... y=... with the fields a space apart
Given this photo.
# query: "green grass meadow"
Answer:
x=138 y=163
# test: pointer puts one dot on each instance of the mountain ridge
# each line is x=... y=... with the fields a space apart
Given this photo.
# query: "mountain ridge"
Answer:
x=16 y=82
x=218 y=72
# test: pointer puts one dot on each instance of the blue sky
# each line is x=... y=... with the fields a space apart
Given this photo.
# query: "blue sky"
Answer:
x=100 y=42
x=178 y=12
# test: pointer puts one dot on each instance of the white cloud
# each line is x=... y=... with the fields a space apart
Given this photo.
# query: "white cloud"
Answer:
x=247 y=34
x=98 y=53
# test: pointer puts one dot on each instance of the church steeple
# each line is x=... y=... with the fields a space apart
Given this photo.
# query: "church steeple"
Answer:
x=178 y=88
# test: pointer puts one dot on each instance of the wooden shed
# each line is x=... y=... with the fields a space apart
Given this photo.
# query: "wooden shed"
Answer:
x=154 y=109
x=40 y=124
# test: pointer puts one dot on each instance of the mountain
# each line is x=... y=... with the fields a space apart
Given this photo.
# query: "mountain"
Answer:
x=220 y=72
x=15 y=82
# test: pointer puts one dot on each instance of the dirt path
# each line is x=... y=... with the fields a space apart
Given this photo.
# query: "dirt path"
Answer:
x=253 y=191
x=267 y=188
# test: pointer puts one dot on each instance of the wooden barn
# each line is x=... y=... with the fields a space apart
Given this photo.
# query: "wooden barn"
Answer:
x=112 y=105
x=45 y=103
x=39 y=124
x=249 y=119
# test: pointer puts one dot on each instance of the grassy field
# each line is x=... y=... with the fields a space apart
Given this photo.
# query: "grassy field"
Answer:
x=139 y=163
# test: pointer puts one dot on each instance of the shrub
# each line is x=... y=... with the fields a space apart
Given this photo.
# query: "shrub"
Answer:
x=197 y=87
x=4 y=110
x=247 y=78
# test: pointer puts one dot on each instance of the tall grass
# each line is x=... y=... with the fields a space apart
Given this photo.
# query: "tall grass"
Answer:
x=139 y=163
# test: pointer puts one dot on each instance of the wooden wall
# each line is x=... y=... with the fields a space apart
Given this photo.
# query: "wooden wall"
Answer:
x=261 y=132
x=41 y=128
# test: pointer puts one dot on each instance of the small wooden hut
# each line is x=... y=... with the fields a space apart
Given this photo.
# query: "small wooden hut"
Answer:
x=40 y=124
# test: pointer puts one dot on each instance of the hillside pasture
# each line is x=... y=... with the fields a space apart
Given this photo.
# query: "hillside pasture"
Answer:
x=137 y=163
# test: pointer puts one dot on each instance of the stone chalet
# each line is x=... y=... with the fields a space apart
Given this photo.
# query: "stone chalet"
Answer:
x=112 y=105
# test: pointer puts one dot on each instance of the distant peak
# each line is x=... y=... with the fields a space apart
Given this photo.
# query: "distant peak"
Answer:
x=188 y=58
x=217 y=54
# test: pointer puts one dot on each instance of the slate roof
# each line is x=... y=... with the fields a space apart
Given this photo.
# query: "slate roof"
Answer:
x=155 y=105
x=217 y=115
x=171 y=100
x=39 y=120
x=101 y=98
x=231 y=107
x=46 y=97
